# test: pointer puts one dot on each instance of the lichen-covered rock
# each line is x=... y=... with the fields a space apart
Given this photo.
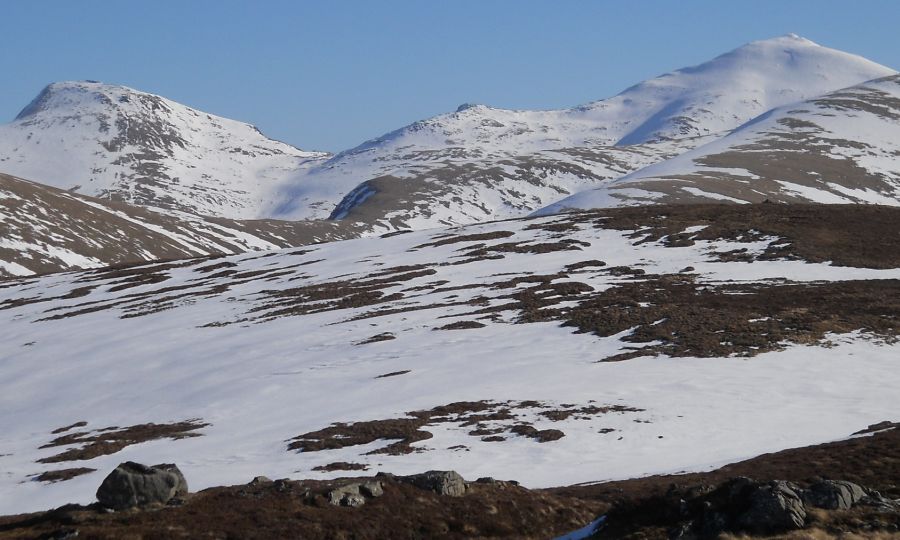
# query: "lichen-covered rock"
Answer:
x=132 y=485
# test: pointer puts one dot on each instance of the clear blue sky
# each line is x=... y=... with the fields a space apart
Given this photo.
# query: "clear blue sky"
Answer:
x=330 y=74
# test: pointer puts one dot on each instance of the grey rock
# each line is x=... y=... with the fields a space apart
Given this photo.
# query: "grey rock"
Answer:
x=282 y=485
x=739 y=485
x=260 y=480
x=371 y=489
x=442 y=482
x=774 y=507
x=880 y=503
x=337 y=495
x=353 y=500
x=355 y=494
x=489 y=480
x=833 y=494
x=132 y=485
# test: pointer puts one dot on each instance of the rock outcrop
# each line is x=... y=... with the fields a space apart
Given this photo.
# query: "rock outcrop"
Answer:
x=132 y=485
x=833 y=495
x=355 y=494
x=744 y=506
x=441 y=482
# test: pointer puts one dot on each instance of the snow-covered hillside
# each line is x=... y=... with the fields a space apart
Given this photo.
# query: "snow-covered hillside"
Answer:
x=118 y=143
x=553 y=351
x=841 y=147
x=43 y=229
x=483 y=163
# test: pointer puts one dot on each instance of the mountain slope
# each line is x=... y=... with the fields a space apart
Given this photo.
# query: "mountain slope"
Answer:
x=43 y=229
x=485 y=163
x=663 y=339
x=841 y=147
x=474 y=164
x=124 y=145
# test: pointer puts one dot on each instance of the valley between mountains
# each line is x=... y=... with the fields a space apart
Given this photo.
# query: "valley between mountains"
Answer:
x=697 y=272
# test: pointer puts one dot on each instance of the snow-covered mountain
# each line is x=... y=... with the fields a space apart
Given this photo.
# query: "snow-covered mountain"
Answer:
x=553 y=351
x=841 y=147
x=120 y=144
x=485 y=163
x=44 y=229
x=475 y=164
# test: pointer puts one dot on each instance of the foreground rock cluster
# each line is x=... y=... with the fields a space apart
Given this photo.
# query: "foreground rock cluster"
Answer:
x=136 y=501
x=742 y=505
x=848 y=489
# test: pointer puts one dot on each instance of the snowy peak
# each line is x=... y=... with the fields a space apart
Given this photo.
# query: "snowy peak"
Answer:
x=727 y=91
x=121 y=144
x=712 y=97
x=840 y=147
x=82 y=96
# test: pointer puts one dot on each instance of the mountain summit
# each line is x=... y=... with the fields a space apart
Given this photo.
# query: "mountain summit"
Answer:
x=118 y=143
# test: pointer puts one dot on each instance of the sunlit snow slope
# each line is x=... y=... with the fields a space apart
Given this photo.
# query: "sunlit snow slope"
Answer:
x=841 y=147
x=731 y=333
x=118 y=143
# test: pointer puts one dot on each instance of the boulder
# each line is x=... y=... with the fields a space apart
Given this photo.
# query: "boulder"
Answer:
x=339 y=495
x=441 y=482
x=132 y=485
x=353 y=500
x=355 y=494
x=774 y=507
x=833 y=494
x=371 y=489
x=259 y=480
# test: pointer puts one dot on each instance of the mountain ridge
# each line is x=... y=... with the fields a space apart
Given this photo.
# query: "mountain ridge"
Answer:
x=836 y=148
x=45 y=230
x=476 y=163
x=658 y=118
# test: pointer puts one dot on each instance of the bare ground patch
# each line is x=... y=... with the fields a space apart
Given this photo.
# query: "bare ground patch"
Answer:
x=61 y=475
x=485 y=418
x=110 y=440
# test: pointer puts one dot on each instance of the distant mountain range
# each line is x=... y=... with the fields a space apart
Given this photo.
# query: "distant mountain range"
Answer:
x=782 y=119
x=483 y=163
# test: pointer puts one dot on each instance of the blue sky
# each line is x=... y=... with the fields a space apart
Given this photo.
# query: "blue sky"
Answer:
x=330 y=74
